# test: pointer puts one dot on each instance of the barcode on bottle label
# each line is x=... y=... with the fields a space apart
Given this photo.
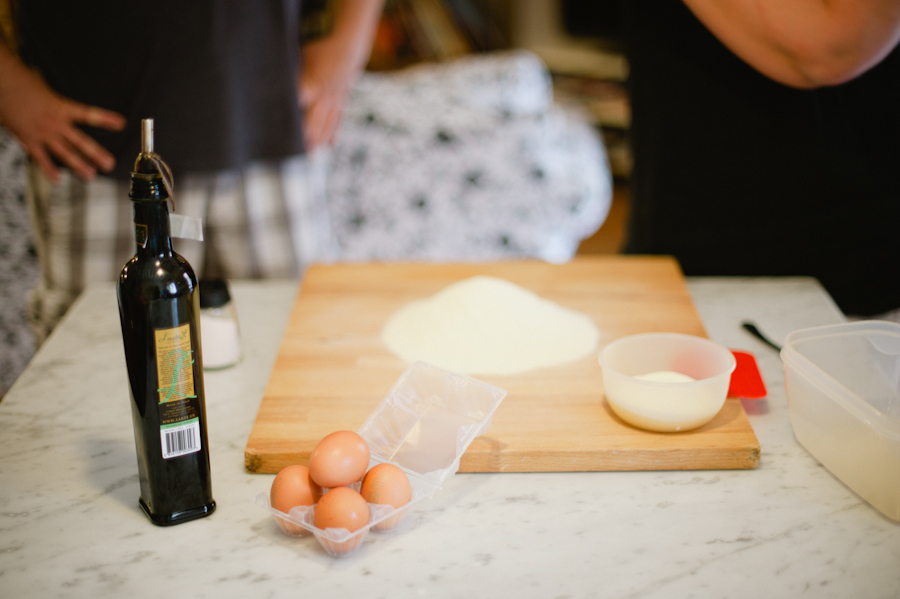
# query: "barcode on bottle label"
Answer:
x=181 y=439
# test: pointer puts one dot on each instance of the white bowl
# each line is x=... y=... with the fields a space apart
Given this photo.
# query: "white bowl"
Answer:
x=666 y=406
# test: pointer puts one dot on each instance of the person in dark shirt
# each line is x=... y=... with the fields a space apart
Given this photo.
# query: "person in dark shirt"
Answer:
x=240 y=110
x=105 y=66
x=765 y=140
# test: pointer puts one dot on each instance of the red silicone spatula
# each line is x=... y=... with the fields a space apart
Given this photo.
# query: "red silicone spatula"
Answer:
x=746 y=381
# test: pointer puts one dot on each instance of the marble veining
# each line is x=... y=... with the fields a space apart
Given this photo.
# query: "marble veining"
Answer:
x=70 y=525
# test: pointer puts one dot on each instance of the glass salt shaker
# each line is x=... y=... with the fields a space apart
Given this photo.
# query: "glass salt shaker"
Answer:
x=219 y=331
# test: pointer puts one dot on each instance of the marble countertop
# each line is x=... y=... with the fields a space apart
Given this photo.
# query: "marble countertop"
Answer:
x=70 y=525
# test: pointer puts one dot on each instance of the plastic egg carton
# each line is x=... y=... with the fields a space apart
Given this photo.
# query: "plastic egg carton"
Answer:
x=423 y=425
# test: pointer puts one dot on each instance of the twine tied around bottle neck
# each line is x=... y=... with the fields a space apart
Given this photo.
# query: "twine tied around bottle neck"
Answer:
x=164 y=172
x=181 y=226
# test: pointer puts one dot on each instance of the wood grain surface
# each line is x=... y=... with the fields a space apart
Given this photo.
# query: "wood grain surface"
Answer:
x=332 y=369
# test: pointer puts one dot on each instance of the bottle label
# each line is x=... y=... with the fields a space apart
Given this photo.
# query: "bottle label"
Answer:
x=179 y=410
x=140 y=235
x=180 y=439
x=185 y=227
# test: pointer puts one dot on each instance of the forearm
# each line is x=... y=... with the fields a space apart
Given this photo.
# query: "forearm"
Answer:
x=14 y=76
x=355 y=22
x=804 y=43
x=332 y=64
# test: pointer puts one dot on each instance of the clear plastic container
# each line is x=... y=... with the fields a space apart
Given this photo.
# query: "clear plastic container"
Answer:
x=423 y=425
x=843 y=393
x=666 y=406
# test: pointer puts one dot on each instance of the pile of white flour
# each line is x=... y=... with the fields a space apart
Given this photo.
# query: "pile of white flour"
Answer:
x=489 y=326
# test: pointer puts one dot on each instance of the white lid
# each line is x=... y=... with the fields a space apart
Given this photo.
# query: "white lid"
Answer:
x=856 y=364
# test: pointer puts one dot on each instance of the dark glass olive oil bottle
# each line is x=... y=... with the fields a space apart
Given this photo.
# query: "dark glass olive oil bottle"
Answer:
x=159 y=309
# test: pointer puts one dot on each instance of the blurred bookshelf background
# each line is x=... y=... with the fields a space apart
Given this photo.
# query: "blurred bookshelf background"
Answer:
x=576 y=39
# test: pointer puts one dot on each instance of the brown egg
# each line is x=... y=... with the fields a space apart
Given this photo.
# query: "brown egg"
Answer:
x=339 y=460
x=387 y=484
x=342 y=507
x=292 y=487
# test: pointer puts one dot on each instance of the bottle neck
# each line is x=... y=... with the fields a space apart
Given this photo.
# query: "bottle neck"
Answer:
x=151 y=216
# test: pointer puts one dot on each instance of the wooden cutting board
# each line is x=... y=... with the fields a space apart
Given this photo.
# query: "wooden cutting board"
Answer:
x=332 y=369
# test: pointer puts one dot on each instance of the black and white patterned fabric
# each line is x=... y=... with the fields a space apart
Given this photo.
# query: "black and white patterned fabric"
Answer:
x=265 y=221
x=18 y=264
x=468 y=160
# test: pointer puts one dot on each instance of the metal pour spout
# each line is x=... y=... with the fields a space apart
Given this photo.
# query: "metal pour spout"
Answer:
x=147 y=136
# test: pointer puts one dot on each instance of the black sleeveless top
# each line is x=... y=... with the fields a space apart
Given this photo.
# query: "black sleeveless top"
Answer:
x=736 y=174
x=218 y=76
